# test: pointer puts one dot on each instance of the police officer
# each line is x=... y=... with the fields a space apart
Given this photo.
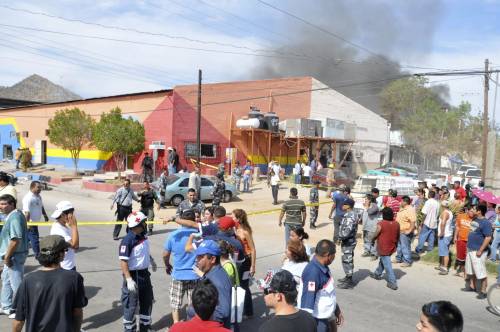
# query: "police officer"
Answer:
x=191 y=203
x=123 y=199
x=347 y=236
x=318 y=289
x=237 y=173
x=135 y=259
x=219 y=189
x=147 y=167
x=163 y=187
x=148 y=198
x=314 y=200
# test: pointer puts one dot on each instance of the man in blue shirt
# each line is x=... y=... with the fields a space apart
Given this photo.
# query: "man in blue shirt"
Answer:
x=183 y=277
x=477 y=243
x=318 y=288
x=338 y=198
x=208 y=264
x=134 y=262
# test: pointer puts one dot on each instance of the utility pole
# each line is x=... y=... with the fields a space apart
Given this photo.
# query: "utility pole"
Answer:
x=198 y=120
x=485 y=120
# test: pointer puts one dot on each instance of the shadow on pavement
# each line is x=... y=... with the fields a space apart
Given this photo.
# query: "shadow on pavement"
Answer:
x=360 y=275
x=399 y=273
x=105 y=317
x=80 y=249
x=91 y=291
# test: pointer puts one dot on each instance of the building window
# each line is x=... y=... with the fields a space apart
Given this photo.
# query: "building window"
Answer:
x=207 y=150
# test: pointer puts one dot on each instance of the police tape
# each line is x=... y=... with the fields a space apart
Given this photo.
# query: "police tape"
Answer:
x=163 y=222
x=194 y=162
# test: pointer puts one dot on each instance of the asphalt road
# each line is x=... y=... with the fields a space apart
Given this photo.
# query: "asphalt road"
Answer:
x=370 y=306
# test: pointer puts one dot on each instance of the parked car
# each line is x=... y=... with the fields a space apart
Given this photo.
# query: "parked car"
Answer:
x=472 y=177
x=391 y=171
x=177 y=188
x=339 y=177
x=414 y=171
x=464 y=168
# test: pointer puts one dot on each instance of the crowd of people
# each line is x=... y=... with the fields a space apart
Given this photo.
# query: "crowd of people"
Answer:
x=212 y=254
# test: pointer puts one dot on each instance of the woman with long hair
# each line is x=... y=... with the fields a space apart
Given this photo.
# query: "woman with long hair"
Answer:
x=247 y=268
x=298 y=234
x=295 y=262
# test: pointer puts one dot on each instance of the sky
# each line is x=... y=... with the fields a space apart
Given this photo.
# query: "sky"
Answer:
x=108 y=47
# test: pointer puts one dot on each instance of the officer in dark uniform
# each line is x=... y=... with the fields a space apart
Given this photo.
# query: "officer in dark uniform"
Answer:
x=191 y=203
x=148 y=198
x=147 y=167
x=347 y=237
x=219 y=189
x=134 y=254
x=314 y=200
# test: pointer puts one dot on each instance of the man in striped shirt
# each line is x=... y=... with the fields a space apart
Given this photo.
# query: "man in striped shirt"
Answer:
x=295 y=211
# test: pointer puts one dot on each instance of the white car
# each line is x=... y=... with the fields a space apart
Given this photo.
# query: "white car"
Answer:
x=472 y=177
x=464 y=168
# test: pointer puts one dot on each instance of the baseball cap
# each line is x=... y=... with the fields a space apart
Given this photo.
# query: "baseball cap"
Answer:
x=208 y=247
x=52 y=243
x=61 y=207
x=349 y=202
x=226 y=223
x=135 y=218
x=281 y=281
x=170 y=148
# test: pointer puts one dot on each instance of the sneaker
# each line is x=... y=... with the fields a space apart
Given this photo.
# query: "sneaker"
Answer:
x=392 y=286
x=443 y=271
x=375 y=276
x=467 y=289
x=116 y=238
x=347 y=284
x=341 y=280
x=13 y=315
x=439 y=268
x=480 y=296
x=312 y=226
x=366 y=254
x=405 y=265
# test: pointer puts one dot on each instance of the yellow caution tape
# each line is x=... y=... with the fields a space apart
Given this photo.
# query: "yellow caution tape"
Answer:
x=194 y=162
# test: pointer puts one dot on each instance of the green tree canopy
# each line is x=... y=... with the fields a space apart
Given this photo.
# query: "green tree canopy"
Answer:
x=118 y=135
x=71 y=129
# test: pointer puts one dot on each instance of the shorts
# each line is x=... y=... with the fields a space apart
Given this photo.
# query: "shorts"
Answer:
x=444 y=246
x=177 y=290
x=461 y=250
x=476 y=265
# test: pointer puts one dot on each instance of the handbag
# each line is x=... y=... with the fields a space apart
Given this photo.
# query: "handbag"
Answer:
x=237 y=304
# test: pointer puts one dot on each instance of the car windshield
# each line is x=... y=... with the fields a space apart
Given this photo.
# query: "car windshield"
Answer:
x=464 y=168
x=474 y=172
x=171 y=179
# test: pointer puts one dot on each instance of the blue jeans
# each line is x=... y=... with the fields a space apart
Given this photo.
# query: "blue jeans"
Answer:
x=404 y=248
x=385 y=263
x=171 y=169
x=495 y=245
x=11 y=279
x=33 y=238
x=426 y=234
x=297 y=178
x=246 y=183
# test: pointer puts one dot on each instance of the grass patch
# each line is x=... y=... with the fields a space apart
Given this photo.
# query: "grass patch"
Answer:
x=433 y=257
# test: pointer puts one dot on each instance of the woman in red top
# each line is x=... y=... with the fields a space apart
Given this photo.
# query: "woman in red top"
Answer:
x=247 y=269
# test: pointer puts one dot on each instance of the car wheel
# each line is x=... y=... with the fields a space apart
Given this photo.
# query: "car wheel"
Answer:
x=227 y=196
x=176 y=200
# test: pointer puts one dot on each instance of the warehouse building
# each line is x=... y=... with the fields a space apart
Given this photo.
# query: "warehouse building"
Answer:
x=169 y=118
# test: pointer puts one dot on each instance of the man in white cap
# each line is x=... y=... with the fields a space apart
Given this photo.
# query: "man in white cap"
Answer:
x=134 y=261
x=66 y=226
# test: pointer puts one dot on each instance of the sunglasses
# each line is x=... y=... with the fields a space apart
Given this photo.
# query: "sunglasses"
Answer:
x=268 y=291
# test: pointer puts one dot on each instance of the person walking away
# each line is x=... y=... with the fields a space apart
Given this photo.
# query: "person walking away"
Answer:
x=219 y=190
x=227 y=263
x=295 y=262
x=205 y=299
x=314 y=202
x=137 y=291
x=123 y=199
x=247 y=176
x=52 y=298
x=406 y=219
x=440 y=316
x=172 y=161
x=208 y=267
x=370 y=220
x=338 y=198
x=67 y=227
x=147 y=167
x=280 y=294
x=297 y=173
x=387 y=235
x=477 y=244
x=294 y=211
x=462 y=229
x=247 y=268
x=496 y=237
x=191 y=203
x=318 y=291
x=184 y=279
x=18 y=157
x=33 y=210
x=275 y=182
x=347 y=237
x=237 y=173
x=445 y=235
x=148 y=198
x=307 y=170
x=427 y=232
x=13 y=251
x=299 y=235
x=195 y=180
x=163 y=183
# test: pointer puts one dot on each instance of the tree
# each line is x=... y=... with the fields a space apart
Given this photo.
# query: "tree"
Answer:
x=118 y=135
x=71 y=129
